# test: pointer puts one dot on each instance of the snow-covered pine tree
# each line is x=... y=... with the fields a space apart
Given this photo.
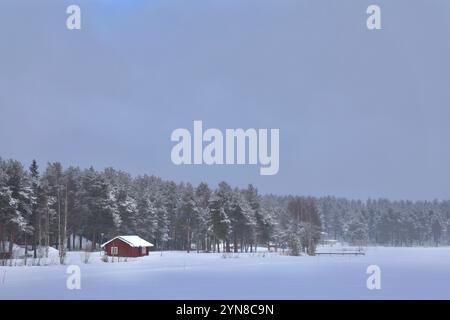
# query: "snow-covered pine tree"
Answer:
x=356 y=232
x=72 y=218
x=9 y=215
x=202 y=195
x=35 y=220
x=306 y=226
x=162 y=223
x=18 y=213
x=96 y=206
x=189 y=216
x=172 y=198
x=145 y=219
x=242 y=221
x=253 y=198
x=219 y=208
x=53 y=179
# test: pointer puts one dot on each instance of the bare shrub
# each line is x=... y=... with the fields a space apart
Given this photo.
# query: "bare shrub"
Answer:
x=86 y=256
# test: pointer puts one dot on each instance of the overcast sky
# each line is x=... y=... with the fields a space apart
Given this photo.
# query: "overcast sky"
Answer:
x=361 y=113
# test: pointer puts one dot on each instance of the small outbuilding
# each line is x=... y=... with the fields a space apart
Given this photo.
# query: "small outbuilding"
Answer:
x=127 y=246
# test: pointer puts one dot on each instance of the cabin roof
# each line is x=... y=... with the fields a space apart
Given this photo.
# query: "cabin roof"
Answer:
x=132 y=241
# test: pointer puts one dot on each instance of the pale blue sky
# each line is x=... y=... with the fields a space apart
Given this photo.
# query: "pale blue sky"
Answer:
x=361 y=113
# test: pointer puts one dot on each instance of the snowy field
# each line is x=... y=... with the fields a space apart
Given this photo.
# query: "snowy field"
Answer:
x=406 y=273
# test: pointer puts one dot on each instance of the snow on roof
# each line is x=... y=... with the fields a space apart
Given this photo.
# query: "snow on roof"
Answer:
x=133 y=241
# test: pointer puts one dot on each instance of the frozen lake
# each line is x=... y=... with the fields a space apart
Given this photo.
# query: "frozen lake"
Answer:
x=406 y=273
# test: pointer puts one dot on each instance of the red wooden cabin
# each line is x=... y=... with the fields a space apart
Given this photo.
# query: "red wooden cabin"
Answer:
x=127 y=246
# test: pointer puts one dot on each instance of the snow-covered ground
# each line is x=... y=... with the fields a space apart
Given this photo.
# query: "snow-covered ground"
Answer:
x=406 y=273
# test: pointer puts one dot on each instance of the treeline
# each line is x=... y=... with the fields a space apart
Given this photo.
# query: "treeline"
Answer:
x=58 y=207
x=393 y=223
x=380 y=221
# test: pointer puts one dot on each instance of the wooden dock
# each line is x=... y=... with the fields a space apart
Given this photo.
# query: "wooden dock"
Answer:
x=356 y=253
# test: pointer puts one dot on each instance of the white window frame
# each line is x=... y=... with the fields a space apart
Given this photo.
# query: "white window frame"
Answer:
x=114 y=250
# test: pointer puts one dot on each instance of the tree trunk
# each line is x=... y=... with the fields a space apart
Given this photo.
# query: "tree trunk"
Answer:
x=2 y=238
x=26 y=250
x=34 y=246
x=40 y=231
x=59 y=221
x=93 y=241
x=188 y=245
x=10 y=244
x=26 y=244
x=65 y=222
x=47 y=238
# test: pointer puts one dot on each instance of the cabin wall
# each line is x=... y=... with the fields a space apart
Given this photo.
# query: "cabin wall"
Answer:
x=124 y=249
